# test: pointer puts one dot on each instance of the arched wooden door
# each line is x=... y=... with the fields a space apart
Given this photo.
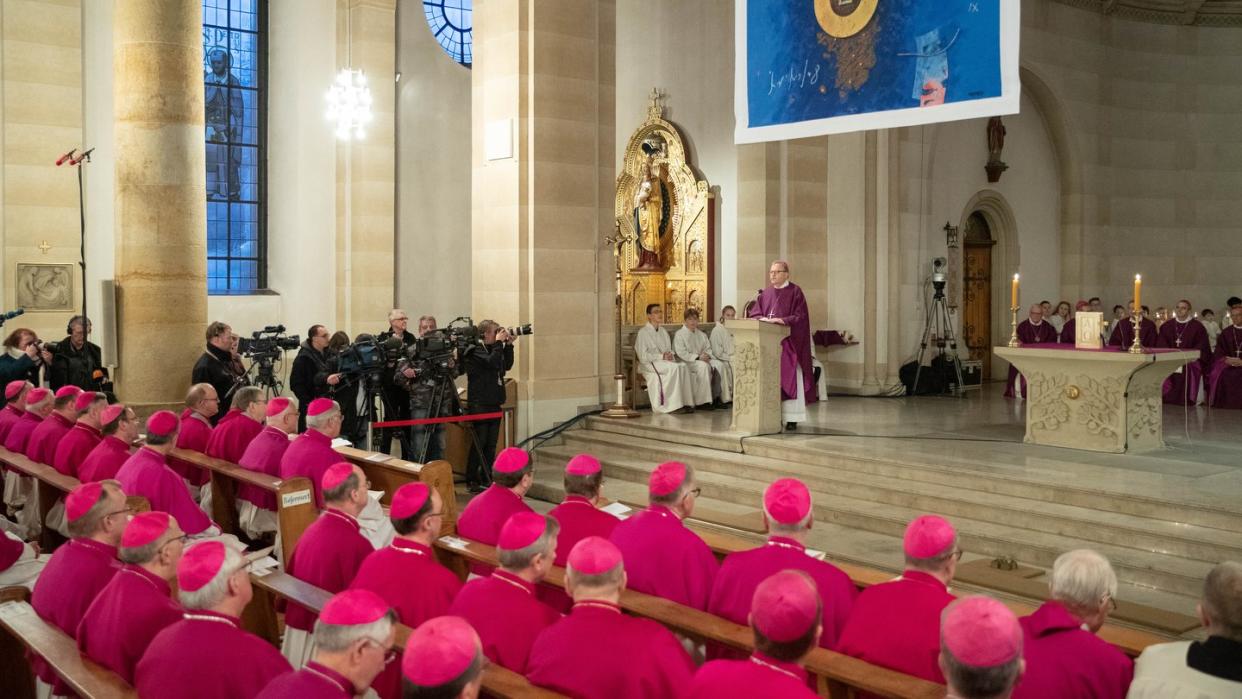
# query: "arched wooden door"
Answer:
x=977 y=291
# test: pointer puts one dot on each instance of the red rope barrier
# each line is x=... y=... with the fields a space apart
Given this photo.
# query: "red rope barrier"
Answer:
x=438 y=420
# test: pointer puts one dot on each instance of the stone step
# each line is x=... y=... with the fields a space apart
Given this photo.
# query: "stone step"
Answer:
x=1162 y=571
x=1144 y=533
x=1049 y=478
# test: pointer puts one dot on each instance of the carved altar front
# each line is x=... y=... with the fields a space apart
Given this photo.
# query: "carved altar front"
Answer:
x=667 y=214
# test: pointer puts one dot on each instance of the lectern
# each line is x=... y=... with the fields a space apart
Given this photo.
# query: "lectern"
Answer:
x=756 y=376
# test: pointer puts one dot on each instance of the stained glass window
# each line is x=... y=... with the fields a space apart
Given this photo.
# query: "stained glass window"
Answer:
x=234 y=86
x=451 y=24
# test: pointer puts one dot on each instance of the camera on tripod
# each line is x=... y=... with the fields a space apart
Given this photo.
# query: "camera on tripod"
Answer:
x=939 y=276
x=270 y=341
x=438 y=351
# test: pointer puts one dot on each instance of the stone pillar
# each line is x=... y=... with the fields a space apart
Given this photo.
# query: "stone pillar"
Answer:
x=758 y=216
x=161 y=210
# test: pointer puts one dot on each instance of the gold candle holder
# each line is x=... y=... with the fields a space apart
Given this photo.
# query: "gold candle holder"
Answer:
x=1136 y=347
x=1013 y=328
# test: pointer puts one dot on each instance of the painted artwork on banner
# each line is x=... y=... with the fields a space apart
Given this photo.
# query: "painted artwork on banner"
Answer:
x=814 y=67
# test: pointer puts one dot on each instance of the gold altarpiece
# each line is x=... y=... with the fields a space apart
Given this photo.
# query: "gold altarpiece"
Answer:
x=662 y=202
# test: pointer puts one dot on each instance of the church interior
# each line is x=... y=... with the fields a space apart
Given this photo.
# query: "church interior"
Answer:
x=708 y=268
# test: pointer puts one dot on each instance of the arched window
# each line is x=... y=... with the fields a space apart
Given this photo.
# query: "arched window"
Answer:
x=452 y=24
x=234 y=91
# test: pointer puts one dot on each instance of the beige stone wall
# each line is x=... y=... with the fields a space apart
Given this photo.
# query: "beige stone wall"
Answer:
x=41 y=117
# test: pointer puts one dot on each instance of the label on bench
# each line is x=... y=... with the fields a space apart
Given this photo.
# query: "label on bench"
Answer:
x=298 y=497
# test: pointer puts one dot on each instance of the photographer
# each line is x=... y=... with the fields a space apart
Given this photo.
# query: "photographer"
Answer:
x=309 y=378
x=77 y=361
x=22 y=357
x=485 y=367
x=345 y=391
x=217 y=366
x=396 y=402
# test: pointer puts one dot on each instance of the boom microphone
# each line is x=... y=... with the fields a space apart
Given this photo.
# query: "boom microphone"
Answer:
x=85 y=156
x=67 y=156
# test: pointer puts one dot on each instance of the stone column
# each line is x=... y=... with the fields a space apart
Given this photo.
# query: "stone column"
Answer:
x=161 y=210
x=758 y=216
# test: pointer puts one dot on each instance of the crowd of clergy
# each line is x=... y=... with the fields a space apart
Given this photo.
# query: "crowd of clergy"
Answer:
x=111 y=586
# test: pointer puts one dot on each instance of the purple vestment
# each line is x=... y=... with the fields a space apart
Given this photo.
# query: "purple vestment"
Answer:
x=74 y=447
x=1123 y=333
x=146 y=473
x=578 y=519
x=263 y=455
x=507 y=615
x=9 y=415
x=72 y=579
x=1064 y=661
x=119 y=625
x=789 y=304
x=41 y=447
x=309 y=455
x=194 y=435
x=230 y=438
x=20 y=433
x=328 y=556
x=1225 y=382
x=207 y=656
x=1188 y=336
x=756 y=676
x=664 y=558
x=483 y=517
x=1029 y=334
x=314 y=681
x=104 y=461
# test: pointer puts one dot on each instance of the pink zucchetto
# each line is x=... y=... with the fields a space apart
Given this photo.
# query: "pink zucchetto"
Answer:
x=594 y=555
x=788 y=501
x=162 y=423
x=336 y=475
x=980 y=632
x=667 y=478
x=354 y=607
x=84 y=400
x=199 y=564
x=37 y=395
x=66 y=391
x=276 y=406
x=928 y=536
x=439 y=651
x=510 y=460
x=582 y=465
x=408 y=500
x=319 y=406
x=81 y=499
x=111 y=413
x=145 y=528
x=785 y=606
x=521 y=530
x=13 y=388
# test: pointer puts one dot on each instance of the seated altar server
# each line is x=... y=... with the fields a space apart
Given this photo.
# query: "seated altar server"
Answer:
x=722 y=340
x=311 y=453
x=43 y=441
x=487 y=512
x=119 y=427
x=1123 y=332
x=85 y=435
x=1207 y=669
x=1225 y=381
x=38 y=407
x=78 y=570
x=443 y=660
x=596 y=652
x=202 y=405
x=1033 y=330
x=207 y=655
x=980 y=649
x=785 y=616
x=256 y=508
x=896 y=624
x=137 y=603
x=406 y=572
x=1184 y=332
x=1064 y=657
x=787 y=513
x=147 y=473
x=503 y=607
x=329 y=553
x=671 y=385
x=695 y=349
x=242 y=423
x=662 y=556
x=354 y=638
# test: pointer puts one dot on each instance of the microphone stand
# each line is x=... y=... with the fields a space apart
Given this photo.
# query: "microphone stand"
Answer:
x=78 y=163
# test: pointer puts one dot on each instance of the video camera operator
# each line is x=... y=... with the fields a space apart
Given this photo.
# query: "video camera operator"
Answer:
x=218 y=365
x=396 y=401
x=310 y=377
x=77 y=361
x=345 y=391
x=427 y=441
x=485 y=367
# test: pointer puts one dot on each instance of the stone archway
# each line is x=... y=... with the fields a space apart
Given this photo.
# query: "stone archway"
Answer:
x=989 y=207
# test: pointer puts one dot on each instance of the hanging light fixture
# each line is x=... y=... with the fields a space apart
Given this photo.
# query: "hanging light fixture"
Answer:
x=349 y=104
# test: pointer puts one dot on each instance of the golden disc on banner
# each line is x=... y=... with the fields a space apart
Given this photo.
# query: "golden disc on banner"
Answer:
x=844 y=18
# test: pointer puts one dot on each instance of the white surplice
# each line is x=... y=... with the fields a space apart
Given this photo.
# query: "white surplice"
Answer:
x=689 y=345
x=668 y=382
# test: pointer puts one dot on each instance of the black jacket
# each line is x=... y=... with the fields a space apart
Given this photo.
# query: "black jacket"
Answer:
x=214 y=367
x=75 y=367
x=308 y=378
x=485 y=373
x=15 y=369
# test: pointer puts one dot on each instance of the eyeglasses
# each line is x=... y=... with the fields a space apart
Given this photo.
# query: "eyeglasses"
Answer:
x=127 y=510
x=390 y=653
x=183 y=538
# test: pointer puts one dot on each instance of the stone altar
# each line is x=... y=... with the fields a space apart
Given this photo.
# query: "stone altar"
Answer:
x=756 y=375
x=1096 y=400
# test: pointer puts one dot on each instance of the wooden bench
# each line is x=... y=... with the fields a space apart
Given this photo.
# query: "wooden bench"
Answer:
x=295 y=499
x=838 y=673
x=388 y=473
x=497 y=681
x=26 y=631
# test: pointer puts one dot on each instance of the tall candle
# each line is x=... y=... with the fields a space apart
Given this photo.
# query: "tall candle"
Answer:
x=1013 y=293
x=1138 y=289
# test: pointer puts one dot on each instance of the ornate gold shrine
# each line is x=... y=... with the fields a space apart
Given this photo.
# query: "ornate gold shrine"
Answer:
x=676 y=271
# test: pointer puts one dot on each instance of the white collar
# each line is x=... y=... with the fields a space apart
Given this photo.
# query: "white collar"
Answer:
x=782 y=286
x=1236 y=327
x=653 y=326
x=1183 y=322
x=1033 y=322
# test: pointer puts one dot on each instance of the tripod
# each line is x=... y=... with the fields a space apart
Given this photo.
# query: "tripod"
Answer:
x=264 y=366
x=368 y=413
x=939 y=322
x=443 y=388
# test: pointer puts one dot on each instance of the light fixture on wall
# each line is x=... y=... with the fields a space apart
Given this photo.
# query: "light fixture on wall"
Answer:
x=950 y=234
x=349 y=98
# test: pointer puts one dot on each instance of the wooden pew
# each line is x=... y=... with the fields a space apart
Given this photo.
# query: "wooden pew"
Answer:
x=839 y=674
x=295 y=499
x=497 y=681
x=26 y=631
x=388 y=473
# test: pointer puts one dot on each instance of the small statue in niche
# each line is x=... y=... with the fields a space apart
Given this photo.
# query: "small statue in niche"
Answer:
x=652 y=208
x=996 y=143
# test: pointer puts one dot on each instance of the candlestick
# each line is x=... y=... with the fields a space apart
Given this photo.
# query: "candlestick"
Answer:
x=1013 y=292
x=1013 y=324
x=1136 y=347
x=1138 y=290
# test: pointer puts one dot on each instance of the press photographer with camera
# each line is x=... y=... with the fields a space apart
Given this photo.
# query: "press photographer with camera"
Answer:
x=344 y=392
x=309 y=378
x=216 y=365
x=485 y=367
x=427 y=441
x=77 y=361
x=396 y=400
x=22 y=357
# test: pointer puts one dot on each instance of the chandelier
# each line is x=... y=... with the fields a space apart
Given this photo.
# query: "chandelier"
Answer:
x=349 y=104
